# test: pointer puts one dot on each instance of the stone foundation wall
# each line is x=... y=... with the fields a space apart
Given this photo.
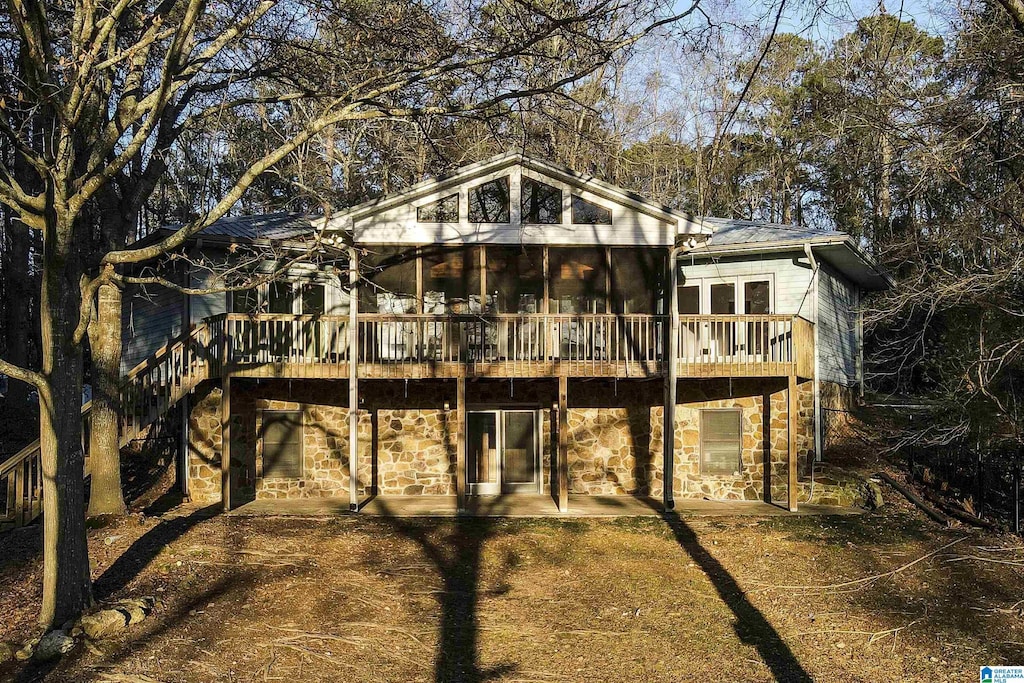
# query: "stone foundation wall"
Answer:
x=416 y=452
x=614 y=444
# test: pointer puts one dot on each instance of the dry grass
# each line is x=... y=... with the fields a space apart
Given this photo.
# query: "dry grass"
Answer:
x=543 y=600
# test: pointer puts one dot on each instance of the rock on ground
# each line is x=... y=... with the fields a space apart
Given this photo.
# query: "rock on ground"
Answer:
x=53 y=645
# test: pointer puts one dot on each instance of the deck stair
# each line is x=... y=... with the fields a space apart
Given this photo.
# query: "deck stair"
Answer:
x=148 y=392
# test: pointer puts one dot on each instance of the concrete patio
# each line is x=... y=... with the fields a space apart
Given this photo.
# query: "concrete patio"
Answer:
x=527 y=505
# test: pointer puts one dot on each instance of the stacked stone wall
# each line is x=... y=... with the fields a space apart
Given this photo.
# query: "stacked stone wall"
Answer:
x=615 y=440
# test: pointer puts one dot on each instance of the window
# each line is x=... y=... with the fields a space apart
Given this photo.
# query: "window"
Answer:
x=451 y=281
x=689 y=299
x=245 y=301
x=721 y=440
x=391 y=286
x=281 y=297
x=723 y=299
x=540 y=203
x=589 y=213
x=578 y=280
x=637 y=279
x=444 y=210
x=488 y=203
x=515 y=277
x=282 y=444
x=757 y=297
x=312 y=298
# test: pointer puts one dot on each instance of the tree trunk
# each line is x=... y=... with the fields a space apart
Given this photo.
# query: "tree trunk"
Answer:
x=67 y=588
x=105 y=495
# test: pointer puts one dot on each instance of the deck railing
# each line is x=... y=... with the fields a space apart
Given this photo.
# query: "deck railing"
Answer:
x=737 y=345
x=517 y=344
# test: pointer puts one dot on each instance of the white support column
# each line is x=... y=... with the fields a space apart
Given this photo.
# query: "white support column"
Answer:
x=353 y=380
x=670 y=366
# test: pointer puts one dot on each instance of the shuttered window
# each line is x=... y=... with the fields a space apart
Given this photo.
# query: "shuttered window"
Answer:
x=721 y=438
x=282 y=444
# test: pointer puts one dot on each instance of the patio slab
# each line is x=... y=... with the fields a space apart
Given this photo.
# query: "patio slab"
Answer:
x=526 y=505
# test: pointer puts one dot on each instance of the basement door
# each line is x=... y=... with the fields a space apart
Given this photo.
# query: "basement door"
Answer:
x=502 y=452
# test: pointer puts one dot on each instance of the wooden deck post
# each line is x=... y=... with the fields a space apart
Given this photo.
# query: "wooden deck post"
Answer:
x=563 y=443
x=225 y=443
x=353 y=380
x=460 y=437
x=793 y=469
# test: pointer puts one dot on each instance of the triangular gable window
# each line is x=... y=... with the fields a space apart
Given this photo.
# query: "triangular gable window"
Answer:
x=444 y=210
x=589 y=213
x=541 y=203
x=488 y=203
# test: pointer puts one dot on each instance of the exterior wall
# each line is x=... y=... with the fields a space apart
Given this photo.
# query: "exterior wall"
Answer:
x=791 y=274
x=398 y=225
x=151 y=318
x=615 y=437
x=837 y=328
x=205 y=305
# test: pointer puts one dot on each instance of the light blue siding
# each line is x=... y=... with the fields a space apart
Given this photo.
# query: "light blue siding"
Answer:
x=838 y=338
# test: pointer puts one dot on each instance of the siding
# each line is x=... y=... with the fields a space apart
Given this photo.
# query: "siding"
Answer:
x=205 y=305
x=630 y=226
x=152 y=317
x=837 y=328
x=790 y=272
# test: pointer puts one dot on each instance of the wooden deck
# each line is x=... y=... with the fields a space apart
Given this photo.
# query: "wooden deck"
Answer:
x=429 y=346
x=519 y=346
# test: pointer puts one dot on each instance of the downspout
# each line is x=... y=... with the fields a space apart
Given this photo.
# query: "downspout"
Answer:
x=817 y=368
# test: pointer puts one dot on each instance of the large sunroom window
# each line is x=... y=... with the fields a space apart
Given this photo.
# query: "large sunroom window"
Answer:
x=451 y=281
x=578 y=280
x=390 y=287
x=515 y=278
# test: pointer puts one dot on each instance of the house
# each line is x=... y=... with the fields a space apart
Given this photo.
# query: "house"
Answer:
x=515 y=327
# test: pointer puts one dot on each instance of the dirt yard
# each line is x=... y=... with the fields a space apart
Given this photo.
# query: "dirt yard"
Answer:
x=879 y=597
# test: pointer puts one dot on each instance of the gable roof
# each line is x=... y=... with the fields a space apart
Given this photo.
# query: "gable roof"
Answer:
x=342 y=220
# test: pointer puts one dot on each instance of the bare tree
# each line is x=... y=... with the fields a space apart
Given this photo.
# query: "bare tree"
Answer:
x=112 y=87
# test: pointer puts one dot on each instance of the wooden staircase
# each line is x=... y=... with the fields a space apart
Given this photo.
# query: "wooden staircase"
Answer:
x=148 y=392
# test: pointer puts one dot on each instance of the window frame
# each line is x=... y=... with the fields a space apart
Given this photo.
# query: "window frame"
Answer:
x=507 y=180
x=739 y=442
x=438 y=203
x=554 y=191
x=301 y=443
x=572 y=211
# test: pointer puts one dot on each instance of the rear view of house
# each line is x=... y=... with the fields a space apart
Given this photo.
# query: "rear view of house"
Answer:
x=515 y=328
